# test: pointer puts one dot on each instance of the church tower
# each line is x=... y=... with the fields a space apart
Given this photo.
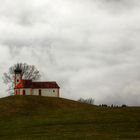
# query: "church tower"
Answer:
x=18 y=76
x=17 y=80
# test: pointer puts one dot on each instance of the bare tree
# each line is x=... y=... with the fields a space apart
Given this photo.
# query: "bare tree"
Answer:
x=27 y=72
x=88 y=100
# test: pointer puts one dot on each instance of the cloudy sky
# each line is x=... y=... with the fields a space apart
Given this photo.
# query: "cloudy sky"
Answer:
x=90 y=47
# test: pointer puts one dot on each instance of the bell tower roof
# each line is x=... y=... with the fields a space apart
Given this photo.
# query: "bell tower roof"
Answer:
x=18 y=71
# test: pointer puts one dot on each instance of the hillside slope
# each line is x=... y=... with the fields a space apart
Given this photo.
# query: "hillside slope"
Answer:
x=34 y=117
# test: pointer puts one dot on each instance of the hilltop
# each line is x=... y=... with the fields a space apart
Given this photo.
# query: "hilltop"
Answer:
x=35 y=118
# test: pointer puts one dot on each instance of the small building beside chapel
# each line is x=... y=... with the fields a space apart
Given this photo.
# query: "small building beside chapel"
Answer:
x=29 y=87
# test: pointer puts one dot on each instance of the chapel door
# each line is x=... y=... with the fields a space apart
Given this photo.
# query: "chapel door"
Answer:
x=40 y=92
x=24 y=93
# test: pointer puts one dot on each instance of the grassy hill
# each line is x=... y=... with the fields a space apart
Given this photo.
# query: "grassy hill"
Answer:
x=44 y=118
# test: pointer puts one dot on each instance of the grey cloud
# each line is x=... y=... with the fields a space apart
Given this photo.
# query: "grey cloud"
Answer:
x=116 y=7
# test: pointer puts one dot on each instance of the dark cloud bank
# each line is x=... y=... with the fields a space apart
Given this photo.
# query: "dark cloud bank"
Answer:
x=91 y=47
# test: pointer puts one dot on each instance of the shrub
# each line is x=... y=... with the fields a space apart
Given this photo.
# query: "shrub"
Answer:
x=88 y=100
x=124 y=105
x=104 y=105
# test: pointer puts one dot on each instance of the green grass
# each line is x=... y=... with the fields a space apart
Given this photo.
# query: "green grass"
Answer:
x=44 y=118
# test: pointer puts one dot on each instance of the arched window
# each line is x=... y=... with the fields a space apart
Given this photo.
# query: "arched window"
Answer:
x=23 y=92
x=39 y=92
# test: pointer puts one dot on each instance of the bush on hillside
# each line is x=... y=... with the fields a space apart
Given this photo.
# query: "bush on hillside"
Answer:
x=124 y=105
x=88 y=100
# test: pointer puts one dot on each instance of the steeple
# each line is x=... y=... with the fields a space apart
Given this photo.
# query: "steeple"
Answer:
x=18 y=76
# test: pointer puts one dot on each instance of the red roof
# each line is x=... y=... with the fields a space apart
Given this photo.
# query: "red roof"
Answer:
x=44 y=85
x=30 y=84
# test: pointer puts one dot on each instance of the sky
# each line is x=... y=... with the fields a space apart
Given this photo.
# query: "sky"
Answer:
x=90 y=47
